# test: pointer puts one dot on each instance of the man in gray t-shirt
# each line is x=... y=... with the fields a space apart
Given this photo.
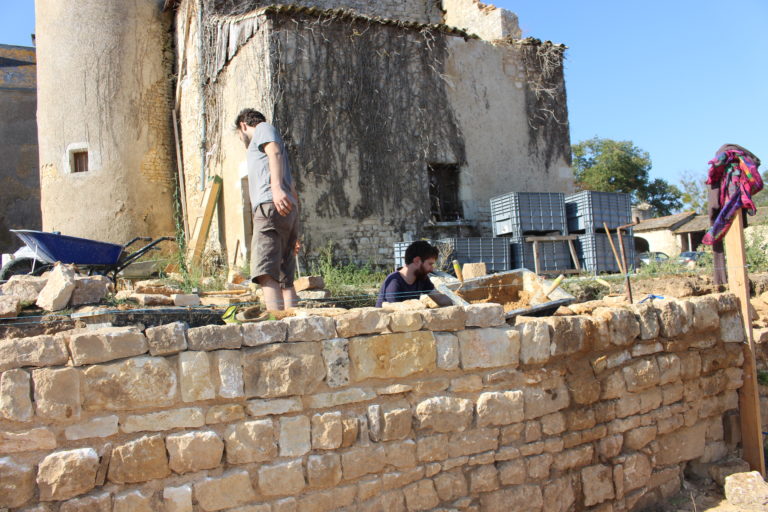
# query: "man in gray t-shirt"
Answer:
x=275 y=209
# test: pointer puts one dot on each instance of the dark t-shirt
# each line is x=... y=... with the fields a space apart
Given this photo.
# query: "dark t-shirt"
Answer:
x=395 y=289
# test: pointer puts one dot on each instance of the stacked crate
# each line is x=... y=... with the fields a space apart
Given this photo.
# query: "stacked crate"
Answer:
x=516 y=215
x=588 y=212
x=494 y=252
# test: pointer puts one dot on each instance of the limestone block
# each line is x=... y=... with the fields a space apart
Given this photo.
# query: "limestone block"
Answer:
x=90 y=290
x=156 y=286
x=93 y=503
x=451 y=318
x=195 y=378
x=731 y=328
x=336 y=357
x=638 y=438
x=401 y=454
x=726 y=302
x=609 y=447
x=132 y=501
x=35 y=351
x=621 y=326
x=259 y=408
x=500 y=408
x=27 y=440
x=343 y=397
x=538 y=466
x=189 y=417
x=327 y=431
x=447 y=350
x=484 y=315
x=672 y=319
x=103 y=426
x=151 y=299
x=682 y=445
x=559 y=495
x=283 y=370
x=720 y=471
x=445 y=414
x=489 y=348
x=10 y=306
x=58 y=289
x=309 y=283
x=467 y=384
x=282 y=478
x=15 y=396
x=106 y=344
x=57 y=393
x=421 y=495
x=131 y=384
x=167 y=339
x=263 y=333
x=251 y=441
x=17 y=483
x=405 y=321
x=228 y=372
x=597 y=484
x=534 y=342
x=140 y=460
x=669 y=368
x=350 y=428
x=705 y=315
x=362 y=460
x=294 y=436
x=194 y=451
x=713 y=360
x=324 y=470
x=391 y=355
x=310 y=328
x=540 y=401
x=232 y=489
x=747 y=490
x=185 y=299
x=690 y=365
x=521 y=498
x=641 y=375
x=389 y=422
x=361 y=321
x=66 y=474
x=646 y=349
x=227 y=413
x=569 y=334
x=215 y=337
x=177 y=499
x=450 y=485
x=25 y=287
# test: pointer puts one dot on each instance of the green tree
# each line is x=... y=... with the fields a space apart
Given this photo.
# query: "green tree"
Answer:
x=694 y=192
x=619 y=166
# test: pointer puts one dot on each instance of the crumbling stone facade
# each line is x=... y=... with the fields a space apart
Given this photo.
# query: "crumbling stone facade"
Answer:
x=374 y=410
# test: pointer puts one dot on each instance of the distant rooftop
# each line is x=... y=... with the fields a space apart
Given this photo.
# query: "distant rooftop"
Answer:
x=17 y=67
x=669 y=222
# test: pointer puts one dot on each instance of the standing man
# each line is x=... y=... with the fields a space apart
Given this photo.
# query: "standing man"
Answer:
x=275 y=209
x=413 y=279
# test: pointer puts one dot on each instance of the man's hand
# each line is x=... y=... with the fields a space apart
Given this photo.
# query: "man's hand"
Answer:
x=283 y=203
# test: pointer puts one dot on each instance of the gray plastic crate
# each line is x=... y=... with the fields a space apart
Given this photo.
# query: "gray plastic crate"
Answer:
x=595 y=254
x=518 y=213
x=588 y=210
x=494 y=252
x=553 y=256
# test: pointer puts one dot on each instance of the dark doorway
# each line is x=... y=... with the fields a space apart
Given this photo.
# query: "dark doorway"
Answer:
x=444 y=192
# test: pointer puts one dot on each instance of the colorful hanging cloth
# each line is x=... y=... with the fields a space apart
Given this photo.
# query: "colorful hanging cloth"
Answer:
x=735 y=170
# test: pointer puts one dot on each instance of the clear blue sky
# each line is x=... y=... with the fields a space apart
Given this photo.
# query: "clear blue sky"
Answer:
x=677 y=77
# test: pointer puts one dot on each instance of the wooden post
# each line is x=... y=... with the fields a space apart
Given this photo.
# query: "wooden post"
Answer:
x=749 y=398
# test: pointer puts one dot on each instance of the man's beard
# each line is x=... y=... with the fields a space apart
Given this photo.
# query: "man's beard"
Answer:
x=420 y=273
x=246 y=139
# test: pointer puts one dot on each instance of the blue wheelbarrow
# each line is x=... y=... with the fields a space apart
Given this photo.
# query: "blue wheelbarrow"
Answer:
x=43 y=249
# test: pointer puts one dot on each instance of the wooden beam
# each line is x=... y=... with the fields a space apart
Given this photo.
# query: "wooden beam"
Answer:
x=749 y=397
x=536 y=256
x=203 y=224
x=551 y=238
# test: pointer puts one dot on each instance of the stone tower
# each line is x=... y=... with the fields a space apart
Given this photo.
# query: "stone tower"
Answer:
x=104 y=118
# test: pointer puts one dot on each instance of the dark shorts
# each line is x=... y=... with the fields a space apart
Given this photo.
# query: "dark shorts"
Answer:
x=273 y=242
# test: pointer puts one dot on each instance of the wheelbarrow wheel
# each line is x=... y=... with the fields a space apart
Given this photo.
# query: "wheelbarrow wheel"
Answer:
x=23 y=266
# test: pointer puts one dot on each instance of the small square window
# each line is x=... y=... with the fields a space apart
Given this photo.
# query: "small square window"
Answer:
x=445 y=205
x=80 y=161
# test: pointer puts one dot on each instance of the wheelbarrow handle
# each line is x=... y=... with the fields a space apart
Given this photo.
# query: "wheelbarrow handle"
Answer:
x=142 y=238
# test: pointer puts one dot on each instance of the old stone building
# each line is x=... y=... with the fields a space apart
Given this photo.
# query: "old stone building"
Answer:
x=402 y=117
x=20 y=190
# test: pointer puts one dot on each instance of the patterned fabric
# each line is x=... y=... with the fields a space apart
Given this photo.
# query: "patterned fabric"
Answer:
x=735 y=171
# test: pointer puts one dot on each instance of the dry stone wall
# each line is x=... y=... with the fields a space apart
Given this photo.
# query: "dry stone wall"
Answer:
x=373 y=410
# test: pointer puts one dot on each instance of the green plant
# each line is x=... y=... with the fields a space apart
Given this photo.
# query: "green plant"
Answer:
x=660 y=268
x=350 y=285
x=762 y=377
x=756 y=248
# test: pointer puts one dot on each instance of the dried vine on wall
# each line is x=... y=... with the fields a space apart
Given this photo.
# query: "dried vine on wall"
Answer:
x=545 y=99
